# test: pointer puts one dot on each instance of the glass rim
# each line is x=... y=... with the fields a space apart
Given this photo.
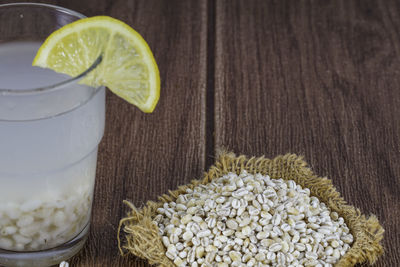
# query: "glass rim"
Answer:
x=54 y=86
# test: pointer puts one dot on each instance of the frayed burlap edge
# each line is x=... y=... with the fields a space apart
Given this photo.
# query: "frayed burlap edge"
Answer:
x=142 y=238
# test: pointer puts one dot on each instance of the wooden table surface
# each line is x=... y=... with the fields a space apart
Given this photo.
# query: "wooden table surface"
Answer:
x=316 y=78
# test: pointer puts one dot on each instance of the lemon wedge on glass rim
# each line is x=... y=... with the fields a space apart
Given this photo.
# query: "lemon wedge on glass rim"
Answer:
x=127 y=66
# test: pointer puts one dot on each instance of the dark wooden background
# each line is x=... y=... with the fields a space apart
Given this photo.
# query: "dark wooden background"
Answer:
x=316 y=78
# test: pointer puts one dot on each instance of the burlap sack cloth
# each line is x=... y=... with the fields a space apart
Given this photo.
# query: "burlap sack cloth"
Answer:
x=142 y=238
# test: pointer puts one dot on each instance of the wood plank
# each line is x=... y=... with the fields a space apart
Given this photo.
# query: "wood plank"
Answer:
x=144 y=155
x=319 y=79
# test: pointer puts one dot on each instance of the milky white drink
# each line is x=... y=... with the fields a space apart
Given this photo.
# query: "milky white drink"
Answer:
x=48 y=150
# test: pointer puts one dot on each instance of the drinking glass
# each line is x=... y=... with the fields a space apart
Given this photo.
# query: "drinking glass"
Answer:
x=50 y=129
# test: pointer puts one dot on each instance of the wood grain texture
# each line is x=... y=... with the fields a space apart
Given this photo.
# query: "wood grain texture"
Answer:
x=144 y=155
x=320 y=79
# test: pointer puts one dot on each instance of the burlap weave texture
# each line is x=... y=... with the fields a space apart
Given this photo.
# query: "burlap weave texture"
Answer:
x=141 y=236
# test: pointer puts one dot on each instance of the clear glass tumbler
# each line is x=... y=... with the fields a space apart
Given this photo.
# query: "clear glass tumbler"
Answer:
x=50 y=128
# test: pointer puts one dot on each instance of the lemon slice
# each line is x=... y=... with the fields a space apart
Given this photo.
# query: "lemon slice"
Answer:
x=127 y=68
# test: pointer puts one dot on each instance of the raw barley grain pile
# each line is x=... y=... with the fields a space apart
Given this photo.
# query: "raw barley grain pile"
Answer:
x=251 y=220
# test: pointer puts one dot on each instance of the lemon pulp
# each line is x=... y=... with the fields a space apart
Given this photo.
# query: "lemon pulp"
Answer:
x=128 y=67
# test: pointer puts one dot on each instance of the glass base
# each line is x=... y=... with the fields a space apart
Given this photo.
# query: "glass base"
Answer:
x=47 y=257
